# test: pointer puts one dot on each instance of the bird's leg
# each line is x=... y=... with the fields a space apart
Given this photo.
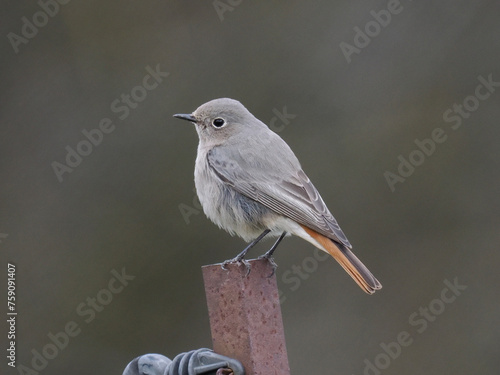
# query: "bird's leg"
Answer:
x=240 y=257
x=269 y=254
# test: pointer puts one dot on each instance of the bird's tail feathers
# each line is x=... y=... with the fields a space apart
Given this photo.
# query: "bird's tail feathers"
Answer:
x=349 y=262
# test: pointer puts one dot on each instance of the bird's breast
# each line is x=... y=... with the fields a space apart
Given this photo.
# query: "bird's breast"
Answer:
x=230 y=210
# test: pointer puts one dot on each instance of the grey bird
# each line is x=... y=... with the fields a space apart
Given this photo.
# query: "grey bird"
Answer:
x=250 y=183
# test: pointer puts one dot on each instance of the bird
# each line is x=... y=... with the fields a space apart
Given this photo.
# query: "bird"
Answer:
x=250 y=183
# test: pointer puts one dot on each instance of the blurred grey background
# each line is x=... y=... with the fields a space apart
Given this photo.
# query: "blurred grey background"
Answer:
x=121 y=205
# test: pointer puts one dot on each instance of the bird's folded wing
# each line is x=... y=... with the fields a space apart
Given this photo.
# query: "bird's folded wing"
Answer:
x=280 y=186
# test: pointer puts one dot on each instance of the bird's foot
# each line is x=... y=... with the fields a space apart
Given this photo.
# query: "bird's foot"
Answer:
x=238 y=261
x=271 y=261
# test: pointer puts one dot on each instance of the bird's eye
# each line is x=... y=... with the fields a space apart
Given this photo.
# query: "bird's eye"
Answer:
x=218 y=123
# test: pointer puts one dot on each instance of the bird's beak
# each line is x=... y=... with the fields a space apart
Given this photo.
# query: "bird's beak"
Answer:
x=185 y=117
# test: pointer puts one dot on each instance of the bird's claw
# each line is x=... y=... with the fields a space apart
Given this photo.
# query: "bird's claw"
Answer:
x=271 y=262
x=247 y=265
x=238 y=261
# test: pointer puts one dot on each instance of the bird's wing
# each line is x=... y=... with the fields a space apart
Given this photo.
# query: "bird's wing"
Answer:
x=274 y=178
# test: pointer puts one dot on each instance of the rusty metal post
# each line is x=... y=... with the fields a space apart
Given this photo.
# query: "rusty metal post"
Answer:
x=245 y=316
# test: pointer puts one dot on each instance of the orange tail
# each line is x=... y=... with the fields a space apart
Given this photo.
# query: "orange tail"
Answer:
x=348 y=261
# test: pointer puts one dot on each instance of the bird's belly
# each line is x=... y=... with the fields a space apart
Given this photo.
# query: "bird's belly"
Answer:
x=230 y=210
